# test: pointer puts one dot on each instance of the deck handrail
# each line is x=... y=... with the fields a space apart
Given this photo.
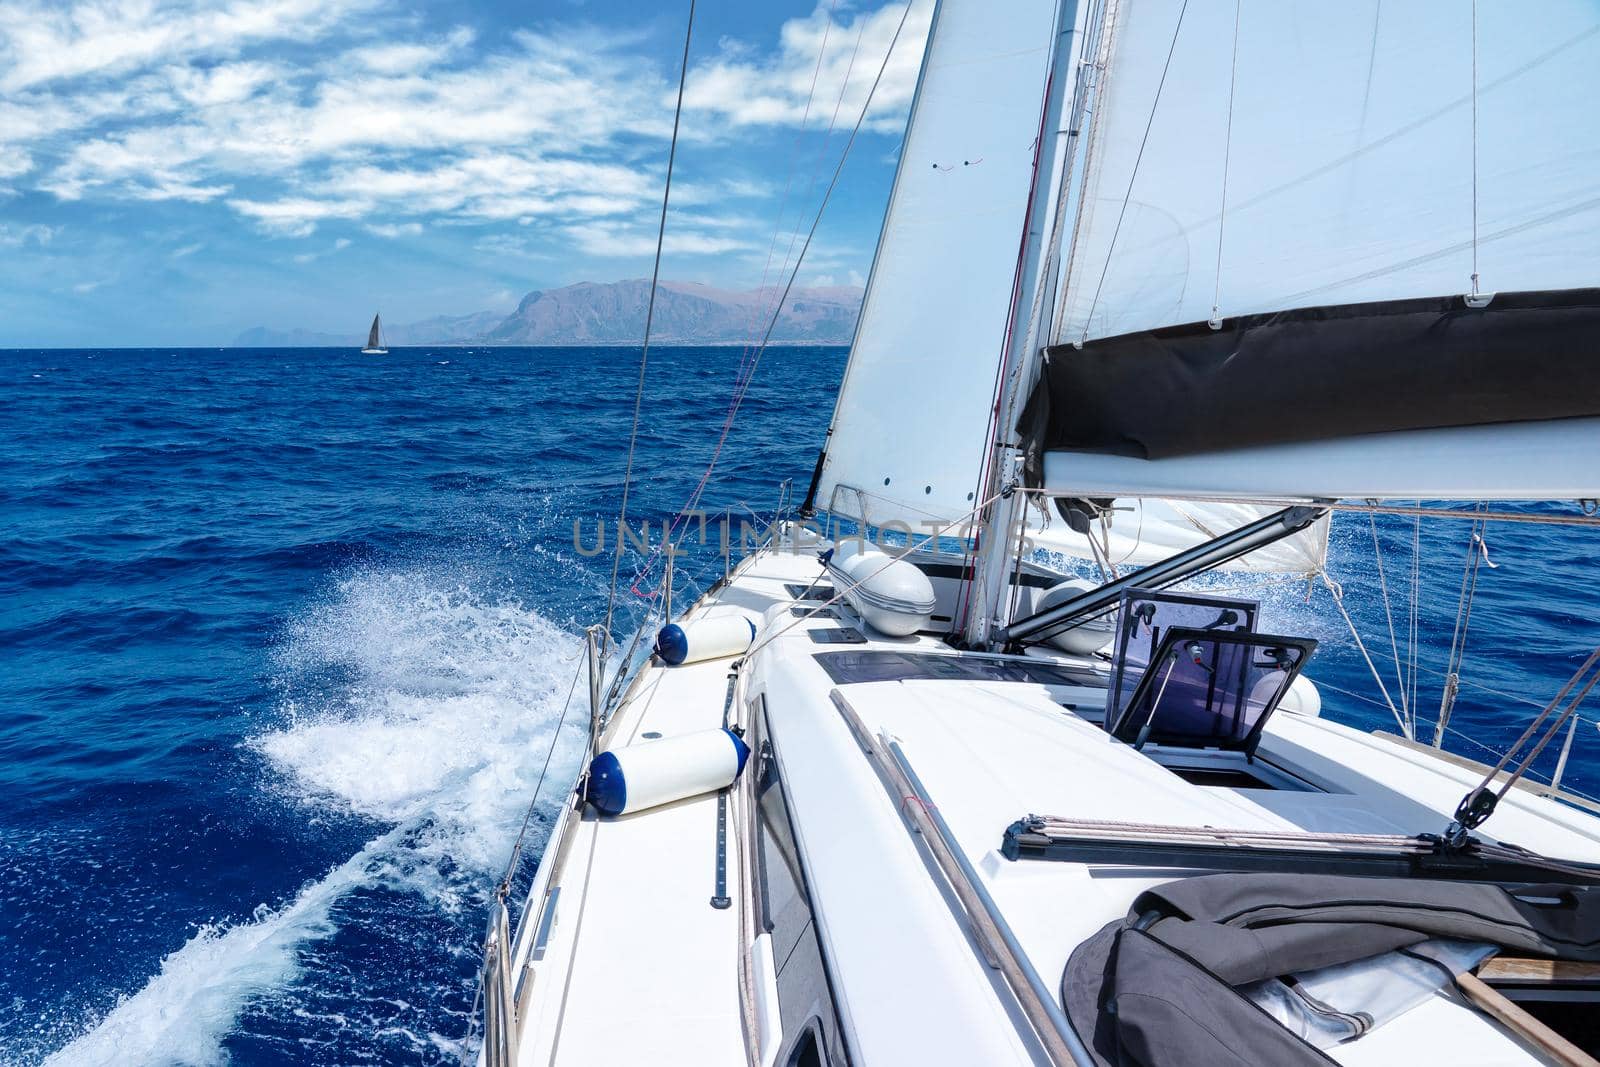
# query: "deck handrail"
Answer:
x=1000 y=946
x=500 y=1028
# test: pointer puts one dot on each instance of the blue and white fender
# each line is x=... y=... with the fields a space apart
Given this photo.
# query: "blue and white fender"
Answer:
x=646 y=775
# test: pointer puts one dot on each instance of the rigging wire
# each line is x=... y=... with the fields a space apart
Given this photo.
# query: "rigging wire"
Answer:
x=1415 y=608
x=1458 y=636
x=527 y=816
x=502 y=889
x=911 y=546
x=742 y=388
x=827 y=135
x=1337 y=592
x=1587 y=518
x=1474 y=148
x=758 y=307
x=1388 y=614
x=1480 y=802
x=649 y=318
x=1453 y=732
x=1227 y=152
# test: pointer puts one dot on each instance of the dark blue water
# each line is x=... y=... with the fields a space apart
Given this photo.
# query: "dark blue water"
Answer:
x=286 y=635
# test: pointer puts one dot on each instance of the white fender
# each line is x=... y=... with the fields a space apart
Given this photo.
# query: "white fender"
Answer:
x=702 y=638
x=651 y=773
x=1087 y=637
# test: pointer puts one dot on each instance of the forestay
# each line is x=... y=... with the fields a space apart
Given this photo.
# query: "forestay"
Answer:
x=1275 y=189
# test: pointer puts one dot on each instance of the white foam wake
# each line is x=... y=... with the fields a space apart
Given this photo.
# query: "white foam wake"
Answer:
x=182 y=1014
x=408 y=700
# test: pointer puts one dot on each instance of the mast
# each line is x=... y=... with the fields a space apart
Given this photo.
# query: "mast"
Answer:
x=1001 y=523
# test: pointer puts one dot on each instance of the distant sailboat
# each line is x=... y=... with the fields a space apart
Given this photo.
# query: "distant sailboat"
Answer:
x=375 y=340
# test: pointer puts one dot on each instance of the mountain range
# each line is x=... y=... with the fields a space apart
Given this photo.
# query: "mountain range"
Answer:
x=613 y=313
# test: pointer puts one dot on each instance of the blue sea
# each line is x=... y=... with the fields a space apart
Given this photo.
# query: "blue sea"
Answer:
x=286 y=636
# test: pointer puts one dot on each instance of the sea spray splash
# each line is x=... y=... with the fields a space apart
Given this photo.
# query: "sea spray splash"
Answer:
x=183 y=1013
x=440 y=709
x=411 y=701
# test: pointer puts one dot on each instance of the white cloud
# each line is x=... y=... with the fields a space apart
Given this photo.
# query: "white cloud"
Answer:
x=820 y=74
x=295 y=113
x=42 y=42
x=627 y=240
x=309 y=257
x=187 y=250
x=296 y=216
x=223 y=84
x=502 y=244
x=146 y=164
x=408 y=57
x=363 y=130
x=17 y=236
x=858 y=279
x=392 y=230
x=15 y=164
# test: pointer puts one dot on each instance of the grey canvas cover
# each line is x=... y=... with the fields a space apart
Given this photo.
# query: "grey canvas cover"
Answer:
x=1157 y=988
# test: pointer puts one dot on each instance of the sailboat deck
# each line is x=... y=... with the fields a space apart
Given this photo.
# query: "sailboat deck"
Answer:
x=639 y=967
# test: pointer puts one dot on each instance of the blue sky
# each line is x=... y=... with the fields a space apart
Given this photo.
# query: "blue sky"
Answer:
x=172 y=172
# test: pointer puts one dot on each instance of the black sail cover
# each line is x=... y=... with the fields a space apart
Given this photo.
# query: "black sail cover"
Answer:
x=1319 y=373
x=1158 y=987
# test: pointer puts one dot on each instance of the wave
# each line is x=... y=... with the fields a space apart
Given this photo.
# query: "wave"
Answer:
x=410 y=700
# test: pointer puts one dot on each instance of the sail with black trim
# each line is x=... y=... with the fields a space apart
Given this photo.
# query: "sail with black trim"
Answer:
x=1332 y=251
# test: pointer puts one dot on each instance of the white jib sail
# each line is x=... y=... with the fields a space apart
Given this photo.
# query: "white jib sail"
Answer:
x=909 y=432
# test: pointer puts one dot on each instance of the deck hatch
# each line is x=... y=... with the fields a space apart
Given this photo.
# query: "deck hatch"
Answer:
x=851 y=668
x=1211 y=689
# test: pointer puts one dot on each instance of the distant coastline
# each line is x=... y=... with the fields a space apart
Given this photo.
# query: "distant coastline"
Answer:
x=612 y=314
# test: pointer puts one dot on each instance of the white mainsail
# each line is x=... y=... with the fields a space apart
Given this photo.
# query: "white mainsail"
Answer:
x=1257 y=158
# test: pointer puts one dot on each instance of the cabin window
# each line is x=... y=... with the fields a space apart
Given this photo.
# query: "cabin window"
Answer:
x=807 y=1052
x=805 y=990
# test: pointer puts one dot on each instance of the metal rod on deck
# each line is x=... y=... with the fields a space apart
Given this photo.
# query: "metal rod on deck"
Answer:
x=1566 y=749
x=666 y=587
x=499 y=1011
x=1213 y=553
x=595 y=635
x=1061 y=1042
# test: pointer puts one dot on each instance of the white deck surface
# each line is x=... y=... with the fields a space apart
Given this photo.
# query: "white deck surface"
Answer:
x=640 y=968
